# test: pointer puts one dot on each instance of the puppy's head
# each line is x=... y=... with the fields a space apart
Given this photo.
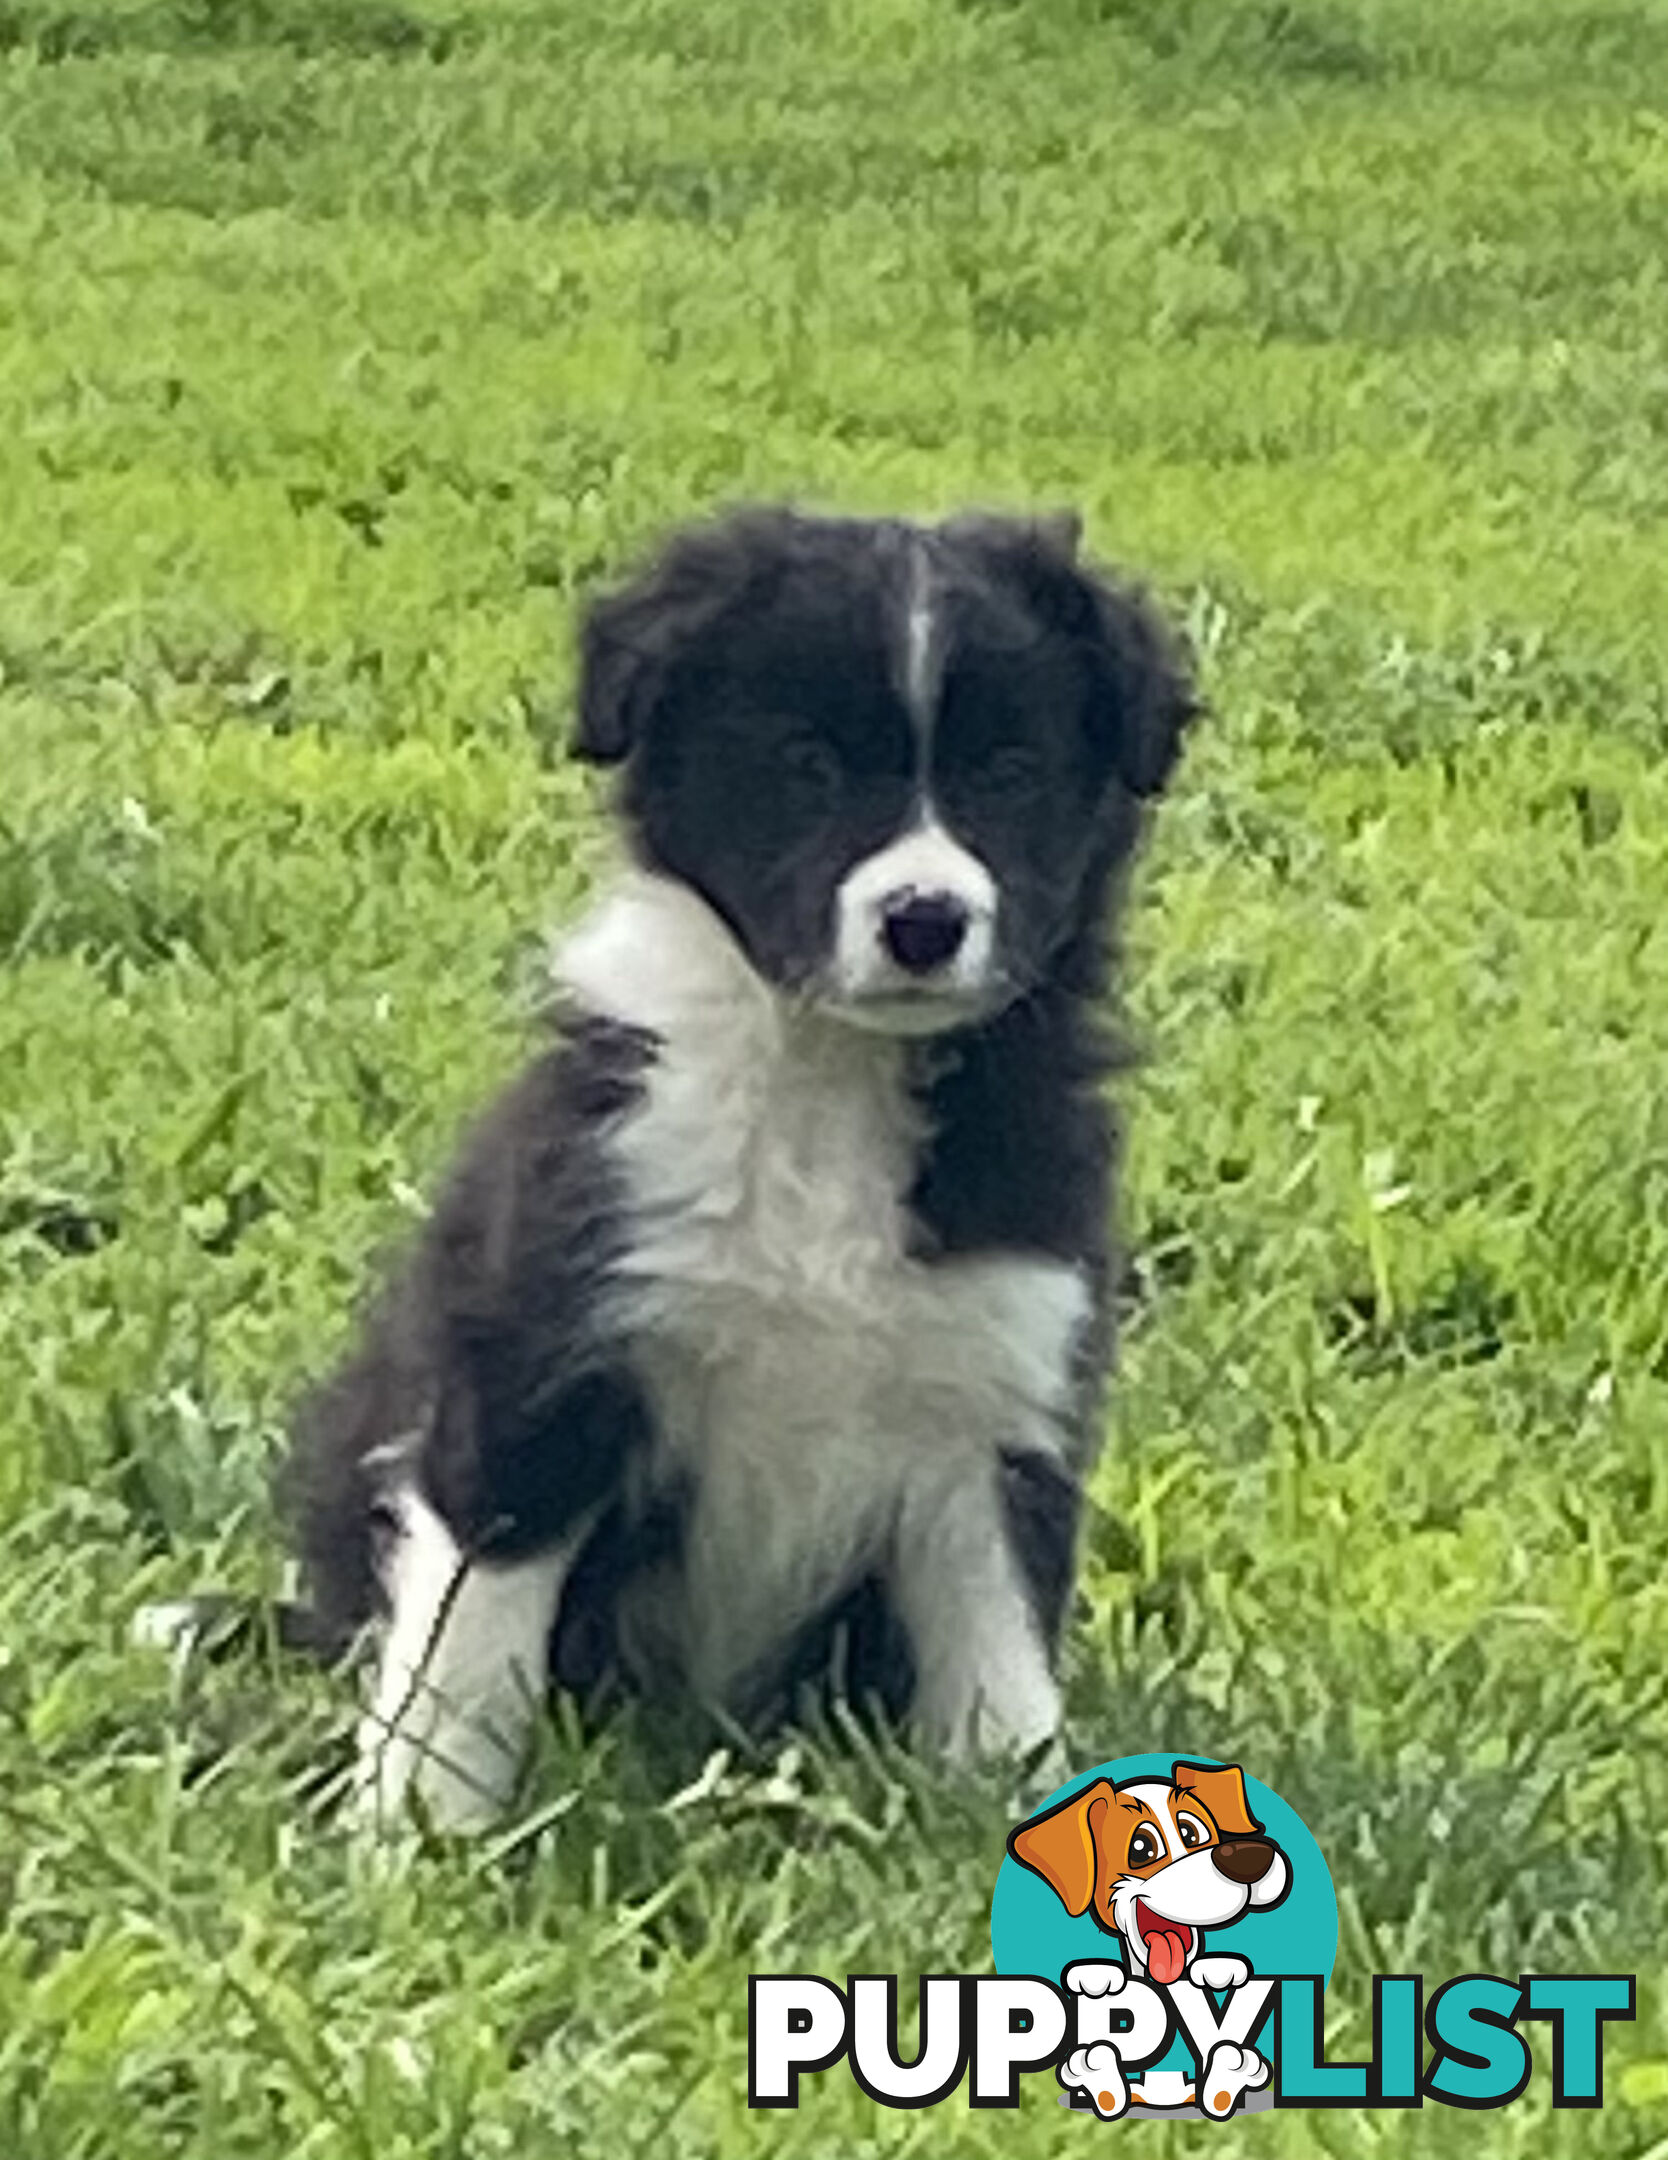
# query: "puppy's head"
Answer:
x=901 y=762
x=1157 y=1860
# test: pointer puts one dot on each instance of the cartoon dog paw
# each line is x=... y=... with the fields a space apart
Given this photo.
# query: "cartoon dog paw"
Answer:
x=1230 y=2073
x=1097 y=2071
x=1219 y=1972
x=1097 y=1986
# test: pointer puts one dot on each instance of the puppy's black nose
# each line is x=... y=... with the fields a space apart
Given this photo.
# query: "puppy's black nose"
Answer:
x=923 y=931
x=1244 y=1860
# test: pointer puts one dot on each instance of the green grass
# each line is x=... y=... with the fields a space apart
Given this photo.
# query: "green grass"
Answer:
x=342 y=348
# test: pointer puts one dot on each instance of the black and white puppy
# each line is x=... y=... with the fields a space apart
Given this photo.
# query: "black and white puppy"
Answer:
x=761 y=1327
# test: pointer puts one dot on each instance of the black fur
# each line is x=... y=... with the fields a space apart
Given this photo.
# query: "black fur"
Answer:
x=785 y=629
x=1042 y=1506
x=747 y=680
x=485 y=1344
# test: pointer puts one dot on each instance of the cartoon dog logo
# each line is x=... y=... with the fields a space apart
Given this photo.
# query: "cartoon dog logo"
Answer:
x=1155 y=1862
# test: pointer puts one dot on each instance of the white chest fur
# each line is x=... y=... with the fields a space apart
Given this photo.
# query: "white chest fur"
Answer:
x=817 y=1381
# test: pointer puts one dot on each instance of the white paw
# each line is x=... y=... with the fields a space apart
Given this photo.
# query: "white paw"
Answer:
x=1219 y=1972
x=1230 y=2072
x=459 y=1773
x=1098 y=2072
x=173 y=1624
x=1092 y=1978
x=996 y=1722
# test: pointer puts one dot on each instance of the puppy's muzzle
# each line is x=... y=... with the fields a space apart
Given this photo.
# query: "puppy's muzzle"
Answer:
x=1243 y=1860
x=923 y=931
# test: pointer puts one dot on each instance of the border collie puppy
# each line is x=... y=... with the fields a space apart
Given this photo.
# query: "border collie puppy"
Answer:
x=759 y=1334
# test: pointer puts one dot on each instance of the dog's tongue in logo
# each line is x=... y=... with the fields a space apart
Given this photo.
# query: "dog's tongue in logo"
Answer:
x=1167 y=1943
x=1154 y=1892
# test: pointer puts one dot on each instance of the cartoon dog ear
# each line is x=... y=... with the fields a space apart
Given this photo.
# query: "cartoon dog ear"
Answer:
x=1059 y=1845
x=1222 y=1793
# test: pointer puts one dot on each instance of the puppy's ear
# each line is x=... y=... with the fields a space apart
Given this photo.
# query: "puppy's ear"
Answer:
x=1062 y=530
x=630 y=638
x=1053 y=533
x=617 y=670
x=1145 y=695
x=1059 y=1845
x=1222 y=1794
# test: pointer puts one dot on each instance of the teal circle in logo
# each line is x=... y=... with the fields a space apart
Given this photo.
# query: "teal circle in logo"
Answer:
x=1034 y=1930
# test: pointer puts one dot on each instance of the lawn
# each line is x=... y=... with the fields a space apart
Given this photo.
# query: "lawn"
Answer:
x=343 y=347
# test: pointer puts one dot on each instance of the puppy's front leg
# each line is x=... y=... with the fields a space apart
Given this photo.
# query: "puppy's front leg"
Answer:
x=463 y=1668
x=983 y=1677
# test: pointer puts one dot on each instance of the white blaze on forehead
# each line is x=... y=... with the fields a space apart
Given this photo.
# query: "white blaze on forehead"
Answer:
x=922 y=651
x=1156 y=1797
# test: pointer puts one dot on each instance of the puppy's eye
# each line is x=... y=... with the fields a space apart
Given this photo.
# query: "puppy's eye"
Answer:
x=1191 y=1831
x=810 y=771
x=1143 y=1849
x=1013 y=768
